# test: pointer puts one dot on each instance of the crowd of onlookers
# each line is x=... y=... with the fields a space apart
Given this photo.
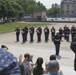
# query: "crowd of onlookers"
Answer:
x=31 y=68
x=10 y=65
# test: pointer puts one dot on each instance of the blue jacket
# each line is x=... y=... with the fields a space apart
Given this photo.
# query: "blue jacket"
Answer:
x=8 y=63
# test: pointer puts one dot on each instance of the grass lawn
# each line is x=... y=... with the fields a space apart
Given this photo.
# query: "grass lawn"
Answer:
x=10 y=27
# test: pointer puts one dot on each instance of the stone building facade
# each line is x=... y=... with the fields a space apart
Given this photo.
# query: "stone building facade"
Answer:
x=39 y=15
x=68 y=8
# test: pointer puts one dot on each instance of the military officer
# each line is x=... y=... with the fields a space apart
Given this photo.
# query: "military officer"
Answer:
x=72 y=32
x=61 y=33
x=46 y=33
x=39 y=32
x=52 y=32
x=23 y=34
x=65 y=27
x=57 y=43
x=67 y=33
x=17 y=34
x=26 y=32
x=31 y=31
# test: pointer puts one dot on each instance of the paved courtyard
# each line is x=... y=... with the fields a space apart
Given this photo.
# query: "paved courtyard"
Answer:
x=66 y=58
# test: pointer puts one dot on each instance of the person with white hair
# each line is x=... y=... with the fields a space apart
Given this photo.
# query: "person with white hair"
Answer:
x=53 y=68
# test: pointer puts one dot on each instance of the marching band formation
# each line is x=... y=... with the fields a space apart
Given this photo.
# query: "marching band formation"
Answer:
x=63 y=32
x=56 y=36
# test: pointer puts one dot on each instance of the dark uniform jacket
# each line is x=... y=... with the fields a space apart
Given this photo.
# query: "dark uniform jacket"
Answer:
x=17 y=31
x=56 y=39
x=73 y=31
x=46 y=30
x=67 y=32
x=39 y=30
x=53 y=30
x=60 y=31
x=31 y=30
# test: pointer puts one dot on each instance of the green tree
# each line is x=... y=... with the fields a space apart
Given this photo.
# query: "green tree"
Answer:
x=40 y=6
x=53 y=12
x=3 y=9
x=9 y=8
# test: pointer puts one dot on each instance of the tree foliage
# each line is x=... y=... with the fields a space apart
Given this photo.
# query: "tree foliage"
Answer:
x=17 y=8
x=53 y=11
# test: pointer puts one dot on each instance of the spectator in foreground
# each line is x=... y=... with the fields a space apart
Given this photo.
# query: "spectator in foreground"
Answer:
x=73 y=47
x=38 y=70
x=52 y=57
x=53 y=68
x=27 y=65
x=4 y=47
x=8 y=63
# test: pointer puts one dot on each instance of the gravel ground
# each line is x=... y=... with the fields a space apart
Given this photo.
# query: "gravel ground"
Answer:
x=42 y=49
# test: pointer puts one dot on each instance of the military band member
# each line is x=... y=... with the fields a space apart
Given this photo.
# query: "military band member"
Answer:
x=61 y=33
x=17 y=34
x=23 y=35
x=31 y=31
x=39 y=32
x=26 y=32
x=72 y=32
x=52 y=32
x=65 y=27
x=46 y=33
x=67 y=33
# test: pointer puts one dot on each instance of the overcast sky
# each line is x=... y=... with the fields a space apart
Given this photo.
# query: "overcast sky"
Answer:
x=48 y=3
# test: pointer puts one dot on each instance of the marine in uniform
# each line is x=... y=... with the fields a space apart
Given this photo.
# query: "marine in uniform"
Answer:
x=61 y=33
x=67 y=33
x=52 y=33
x=46 y=33
x=31 y=31
x=26 y=32
x=57 y=43
x=17 y=34
x=73 y=32
x=39 y=32
x=23 y=34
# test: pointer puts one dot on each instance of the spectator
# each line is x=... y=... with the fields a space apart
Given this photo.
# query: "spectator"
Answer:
x=26 y=58
x=38 y=70
x=52 y=57
x=24 y=66
x=4 y=47
x=8 y=63
x=73 y=47
x=53 y=68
